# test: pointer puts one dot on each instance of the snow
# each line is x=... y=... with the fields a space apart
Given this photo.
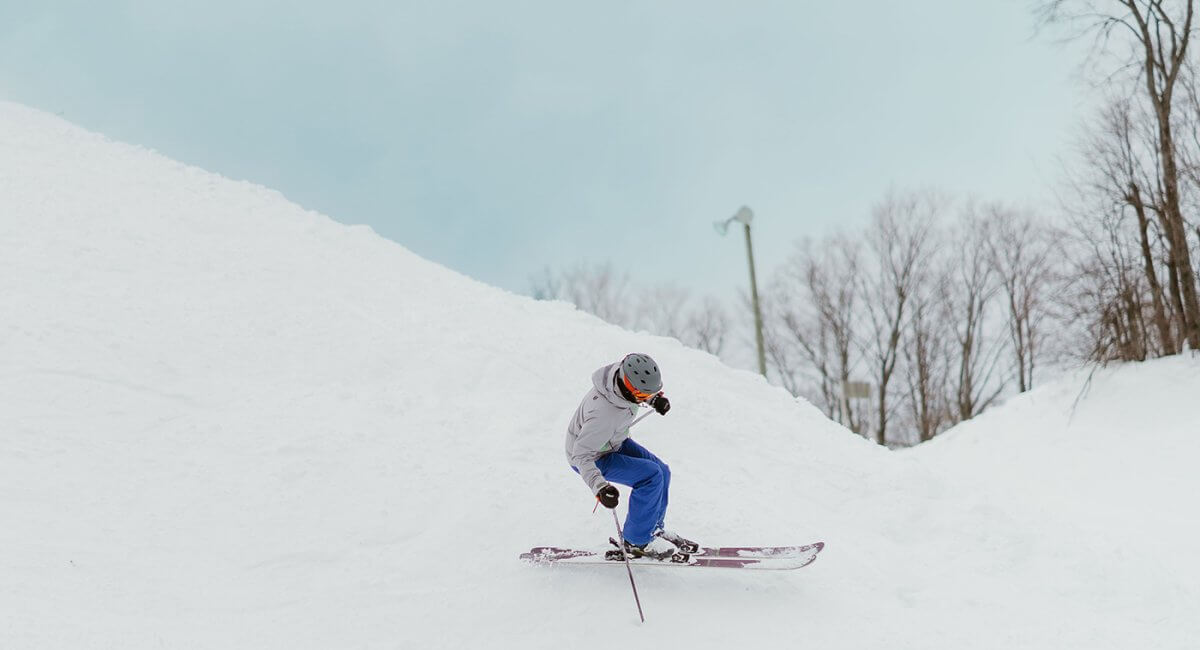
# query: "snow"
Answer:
x=229 y=422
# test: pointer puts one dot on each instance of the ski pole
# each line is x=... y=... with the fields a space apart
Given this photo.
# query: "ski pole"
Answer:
x=640 y=418
x=621 y=539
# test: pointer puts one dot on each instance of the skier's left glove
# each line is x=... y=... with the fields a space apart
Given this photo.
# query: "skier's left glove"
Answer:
x=660 y=404
x=608 y=496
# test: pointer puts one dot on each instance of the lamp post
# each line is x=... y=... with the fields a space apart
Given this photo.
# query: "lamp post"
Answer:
x=745 y=216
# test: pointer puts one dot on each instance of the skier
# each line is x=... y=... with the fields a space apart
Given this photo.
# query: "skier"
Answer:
x=600 y=450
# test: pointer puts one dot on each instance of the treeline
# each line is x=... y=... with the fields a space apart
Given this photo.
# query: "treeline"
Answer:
x=666 y=310
x=938 y=308
x=1132 y=199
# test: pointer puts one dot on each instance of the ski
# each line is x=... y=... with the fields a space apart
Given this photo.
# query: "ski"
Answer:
x=770 y=558
x=760 y=552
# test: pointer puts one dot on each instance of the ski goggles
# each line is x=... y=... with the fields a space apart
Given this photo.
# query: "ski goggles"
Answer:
x=639 y=395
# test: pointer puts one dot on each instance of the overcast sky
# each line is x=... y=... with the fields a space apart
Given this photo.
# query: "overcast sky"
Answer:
x=499 y=138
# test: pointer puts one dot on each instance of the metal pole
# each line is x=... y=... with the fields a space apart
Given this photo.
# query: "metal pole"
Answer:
x=758 y=329
x=642 y=417
x=621 y=540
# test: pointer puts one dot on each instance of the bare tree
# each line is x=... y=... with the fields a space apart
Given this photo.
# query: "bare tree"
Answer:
x=597 y=289
x=900 y=243
x=813 y=312
x=546 y=286
x=1019 y=251
x=800 y=351
x=831 y=279
x=1123 y=286
x=1157 y=34
x=1120 y=163
x=663 y=310
x=796 y=341
x=783 y=354
x=1104 y=292
x=968 y=289
x=927 y=360
x=707 y=327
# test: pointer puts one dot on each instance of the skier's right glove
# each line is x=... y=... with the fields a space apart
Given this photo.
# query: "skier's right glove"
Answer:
x=608 y=496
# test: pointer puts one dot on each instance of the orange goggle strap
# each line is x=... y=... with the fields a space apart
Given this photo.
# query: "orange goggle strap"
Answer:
x=640 y=394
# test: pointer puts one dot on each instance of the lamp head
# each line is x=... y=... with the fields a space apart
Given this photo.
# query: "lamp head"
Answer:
x=744 y=215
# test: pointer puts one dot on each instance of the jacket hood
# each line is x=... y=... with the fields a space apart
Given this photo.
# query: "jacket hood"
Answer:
x=602 y=379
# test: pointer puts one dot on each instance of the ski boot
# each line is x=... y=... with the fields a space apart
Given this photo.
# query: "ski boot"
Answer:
x=682 y=543
x=656 y=549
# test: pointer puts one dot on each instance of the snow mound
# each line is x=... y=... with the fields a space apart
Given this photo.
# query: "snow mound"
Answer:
x=228 y=421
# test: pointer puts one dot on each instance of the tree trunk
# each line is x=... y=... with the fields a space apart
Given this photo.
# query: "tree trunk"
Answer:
x=1161 y=70
x=1173 y=224
x=1160 y=315
x=1176 y=296
x=1019 y=344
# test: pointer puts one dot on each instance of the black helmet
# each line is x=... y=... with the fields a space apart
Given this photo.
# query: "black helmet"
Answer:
x=640 y=376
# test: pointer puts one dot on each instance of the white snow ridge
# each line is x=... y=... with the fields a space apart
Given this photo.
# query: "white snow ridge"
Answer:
x=228 y=422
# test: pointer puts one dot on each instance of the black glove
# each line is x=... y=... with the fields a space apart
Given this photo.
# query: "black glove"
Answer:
x=660 y=403
x=608 y=496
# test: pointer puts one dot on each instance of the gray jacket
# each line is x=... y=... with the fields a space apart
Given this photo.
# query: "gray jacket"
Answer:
x=601 y=425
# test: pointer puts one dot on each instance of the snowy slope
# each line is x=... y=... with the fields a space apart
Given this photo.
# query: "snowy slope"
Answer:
x=226 y=421
x=1099 y=473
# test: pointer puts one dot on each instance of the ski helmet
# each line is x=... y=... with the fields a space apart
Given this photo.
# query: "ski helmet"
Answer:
x=640 y=376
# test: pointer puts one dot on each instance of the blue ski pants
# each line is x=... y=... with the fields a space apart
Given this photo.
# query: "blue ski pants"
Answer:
x=633 y=465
